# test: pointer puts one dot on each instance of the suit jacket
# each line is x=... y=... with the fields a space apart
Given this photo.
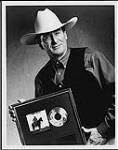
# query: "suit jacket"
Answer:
x=91 y=77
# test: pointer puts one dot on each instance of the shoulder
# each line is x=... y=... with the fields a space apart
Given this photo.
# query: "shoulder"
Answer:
x=85 y=52
x=91 y=55
x=89 y=51
x=86 y=55
x=78 y=50
x=44 y=71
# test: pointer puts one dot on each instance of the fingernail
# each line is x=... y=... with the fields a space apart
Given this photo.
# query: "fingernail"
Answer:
x=14 y=119
x=10 y=107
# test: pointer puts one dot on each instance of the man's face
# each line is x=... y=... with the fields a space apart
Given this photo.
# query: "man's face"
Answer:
x=55 y=43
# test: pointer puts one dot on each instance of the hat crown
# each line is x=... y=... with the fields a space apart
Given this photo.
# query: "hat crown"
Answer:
x=46 y=21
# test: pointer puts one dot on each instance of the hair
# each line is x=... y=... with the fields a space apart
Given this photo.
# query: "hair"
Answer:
x=63 y=28
x=38 y=41
x=38 y=38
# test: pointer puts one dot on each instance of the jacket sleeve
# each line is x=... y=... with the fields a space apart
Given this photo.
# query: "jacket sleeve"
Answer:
x=38 y=87
x=103 y=70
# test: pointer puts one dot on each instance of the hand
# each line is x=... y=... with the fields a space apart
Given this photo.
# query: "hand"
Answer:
x=11 y=110
x=95 y=137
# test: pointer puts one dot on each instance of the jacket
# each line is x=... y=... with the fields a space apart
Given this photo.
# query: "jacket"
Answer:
x=91 y=77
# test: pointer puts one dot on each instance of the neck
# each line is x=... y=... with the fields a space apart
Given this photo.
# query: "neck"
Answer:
x=58 y=57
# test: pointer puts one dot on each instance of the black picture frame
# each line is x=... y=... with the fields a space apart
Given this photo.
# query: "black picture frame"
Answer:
x=64 y=130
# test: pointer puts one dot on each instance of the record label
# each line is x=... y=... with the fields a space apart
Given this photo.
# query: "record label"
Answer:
x=58 y=116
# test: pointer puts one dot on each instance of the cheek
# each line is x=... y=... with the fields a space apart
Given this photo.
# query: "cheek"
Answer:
x=64 y=41
x=64 y=38
x=65 y=35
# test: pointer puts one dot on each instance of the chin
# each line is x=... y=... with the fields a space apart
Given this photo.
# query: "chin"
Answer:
x=59 y=53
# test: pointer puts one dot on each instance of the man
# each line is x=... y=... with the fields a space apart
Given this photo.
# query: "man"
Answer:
x=88 y=73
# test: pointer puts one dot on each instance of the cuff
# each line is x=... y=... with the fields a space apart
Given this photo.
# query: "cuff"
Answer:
x=102 y=129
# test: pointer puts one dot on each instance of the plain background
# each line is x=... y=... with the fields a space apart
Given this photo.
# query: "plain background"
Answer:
x=94 y=29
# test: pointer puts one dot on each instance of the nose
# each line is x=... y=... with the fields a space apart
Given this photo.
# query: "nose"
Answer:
x=53 y=39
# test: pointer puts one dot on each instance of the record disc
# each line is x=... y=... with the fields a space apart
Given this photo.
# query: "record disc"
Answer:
x=58 y=116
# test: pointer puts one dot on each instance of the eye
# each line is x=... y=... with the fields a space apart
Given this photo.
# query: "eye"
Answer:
x=57 y=32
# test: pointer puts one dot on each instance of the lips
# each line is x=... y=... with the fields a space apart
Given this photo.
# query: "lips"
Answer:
x=56 y=47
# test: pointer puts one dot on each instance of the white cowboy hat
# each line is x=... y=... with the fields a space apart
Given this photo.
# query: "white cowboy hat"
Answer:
x=46 y=21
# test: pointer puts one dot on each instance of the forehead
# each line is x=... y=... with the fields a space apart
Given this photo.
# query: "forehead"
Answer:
x=60 y=29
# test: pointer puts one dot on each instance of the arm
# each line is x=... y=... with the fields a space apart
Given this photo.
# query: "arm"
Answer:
x=107 y=78
x=102 y=69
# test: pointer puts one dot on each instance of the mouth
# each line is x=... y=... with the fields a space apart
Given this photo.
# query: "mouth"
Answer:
x=56 y=47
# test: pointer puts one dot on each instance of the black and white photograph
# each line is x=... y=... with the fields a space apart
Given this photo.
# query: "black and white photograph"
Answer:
x=48 y=48
x=38 y=121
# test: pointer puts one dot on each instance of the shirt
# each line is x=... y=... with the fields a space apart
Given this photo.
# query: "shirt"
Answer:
x=59 y=68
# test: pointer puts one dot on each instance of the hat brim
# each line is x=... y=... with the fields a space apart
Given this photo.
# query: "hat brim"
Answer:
x=29 y=39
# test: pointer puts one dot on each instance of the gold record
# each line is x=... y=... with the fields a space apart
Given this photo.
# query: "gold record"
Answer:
x=58 y=116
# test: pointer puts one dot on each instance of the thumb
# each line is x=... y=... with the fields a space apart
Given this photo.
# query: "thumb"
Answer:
x=21 y=100
x=86 y=130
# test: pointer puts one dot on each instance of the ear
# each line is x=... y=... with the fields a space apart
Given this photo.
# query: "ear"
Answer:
x=65 y=34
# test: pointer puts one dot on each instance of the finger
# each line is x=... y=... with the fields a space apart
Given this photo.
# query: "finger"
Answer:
x=10 y=107
x=94 y=136
x=97 y=141
x=92 y=142
x=86 y=130
x=21 y=100
x=14 y=119
x=11 y=112
x=103 y=141
x=12 y=115
x=88 y=142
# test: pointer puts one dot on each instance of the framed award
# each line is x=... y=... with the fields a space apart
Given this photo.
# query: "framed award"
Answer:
x=49 y=120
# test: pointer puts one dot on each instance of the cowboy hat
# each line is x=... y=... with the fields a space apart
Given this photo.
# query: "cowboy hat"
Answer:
x=46 y=21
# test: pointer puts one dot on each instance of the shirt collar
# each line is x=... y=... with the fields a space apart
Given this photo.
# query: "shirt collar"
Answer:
x=63 y=61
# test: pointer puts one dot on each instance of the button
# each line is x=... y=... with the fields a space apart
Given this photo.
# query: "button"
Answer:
x=59 y=73
x=64 y=67
x=60 y=86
